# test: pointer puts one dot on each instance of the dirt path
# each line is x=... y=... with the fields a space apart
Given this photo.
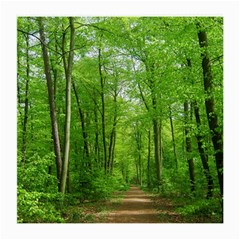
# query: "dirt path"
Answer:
x=136 y=207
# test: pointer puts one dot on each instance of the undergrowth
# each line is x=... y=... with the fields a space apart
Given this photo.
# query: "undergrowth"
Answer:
x=86 y=206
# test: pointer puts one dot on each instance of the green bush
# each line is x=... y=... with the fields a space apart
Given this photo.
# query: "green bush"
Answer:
x=97 y=186
x=34 y=174
x=37 y=207
x=203 y=207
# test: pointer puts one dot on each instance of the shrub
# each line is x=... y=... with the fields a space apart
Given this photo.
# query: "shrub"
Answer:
x=203 y=207
x=37 y=207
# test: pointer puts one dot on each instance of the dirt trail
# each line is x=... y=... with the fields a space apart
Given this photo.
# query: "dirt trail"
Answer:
x=136 y=207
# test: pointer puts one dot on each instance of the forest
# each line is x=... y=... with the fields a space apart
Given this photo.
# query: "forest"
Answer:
x=105 y=104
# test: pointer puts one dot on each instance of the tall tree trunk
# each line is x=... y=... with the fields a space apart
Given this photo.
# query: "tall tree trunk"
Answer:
x=53 y=63
x=157 y=151
x=112 y=134
x=173 y=137
x=96 y=145
x=204 y=157
x=149 y=159
x=156 y=128
x=113 y=152
x=18 y=84
x=210 y=108
x=68 y=106
x=202 y=153
x=55 y=71
x=103 y=111
x=111 y=149
x=189 y=146
x=160 y=146
x=53 y=116
x=26 y=105
x=82 y=121
x=156 y=140
x=139 y=148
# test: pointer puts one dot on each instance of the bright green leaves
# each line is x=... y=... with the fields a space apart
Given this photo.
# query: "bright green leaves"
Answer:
x=37 y=207
x=148 y=65
x=35 y=176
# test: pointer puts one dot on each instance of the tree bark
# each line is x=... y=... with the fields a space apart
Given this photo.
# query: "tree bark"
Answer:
x=156 y=128
x=173 y=137
x=210 y=106
x=53 y=64
x=138 y=139
x=68 y=106
x=157 y=151
x=156 y=138
x=26 y=105
x=96 y=145
x=103 y=111
x=149 y=159
x=202 y=153
x=189 y=146
x=113 y=134
x=54 y=124
x=82 y=121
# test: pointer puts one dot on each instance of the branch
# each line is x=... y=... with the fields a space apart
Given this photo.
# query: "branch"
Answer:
x=31 y=34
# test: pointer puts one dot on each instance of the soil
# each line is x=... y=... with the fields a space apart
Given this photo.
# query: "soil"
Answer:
x=136 y=207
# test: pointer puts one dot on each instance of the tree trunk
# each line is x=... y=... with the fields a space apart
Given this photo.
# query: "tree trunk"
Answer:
x=68 y=107
x=156 y=128
x=139 y=148
x=173 y=138
x=96 y=145
x=18 y=85
x=54 y=124
x=149 y=159
x=113 y=153
x=204 y=157
x=202 y=153
x=82 y=121
x=156 y=138
x=157 y=151
x=189 y=146
x=103 y=111
x=210 y=108
x=160 y=146
x=25 y=116
x=113 y=134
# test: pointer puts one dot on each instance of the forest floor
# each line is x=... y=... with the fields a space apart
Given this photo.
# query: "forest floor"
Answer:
x=136 y=206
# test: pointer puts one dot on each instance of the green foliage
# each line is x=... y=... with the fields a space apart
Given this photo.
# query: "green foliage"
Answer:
x=34 y=174
x=202 y=207
x=99 y=186
x=37 y=207
x=145 y=76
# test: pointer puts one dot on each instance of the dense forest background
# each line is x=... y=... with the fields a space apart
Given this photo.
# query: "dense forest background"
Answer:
x=105 y=102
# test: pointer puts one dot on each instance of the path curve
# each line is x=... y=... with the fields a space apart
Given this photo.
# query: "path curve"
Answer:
x=136 y=207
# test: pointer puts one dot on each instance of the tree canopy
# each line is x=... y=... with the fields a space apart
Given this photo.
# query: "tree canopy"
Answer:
x=104 y=102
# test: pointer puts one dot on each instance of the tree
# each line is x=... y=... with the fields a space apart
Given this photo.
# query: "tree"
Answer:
x=187 y=112
x=102 y=83
x=26 y=101
x=173 y=138
x=216 y=130
x=127 y=104
x=68 y=72
x=82 y=120
x=53 y=116
x=202 y=153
